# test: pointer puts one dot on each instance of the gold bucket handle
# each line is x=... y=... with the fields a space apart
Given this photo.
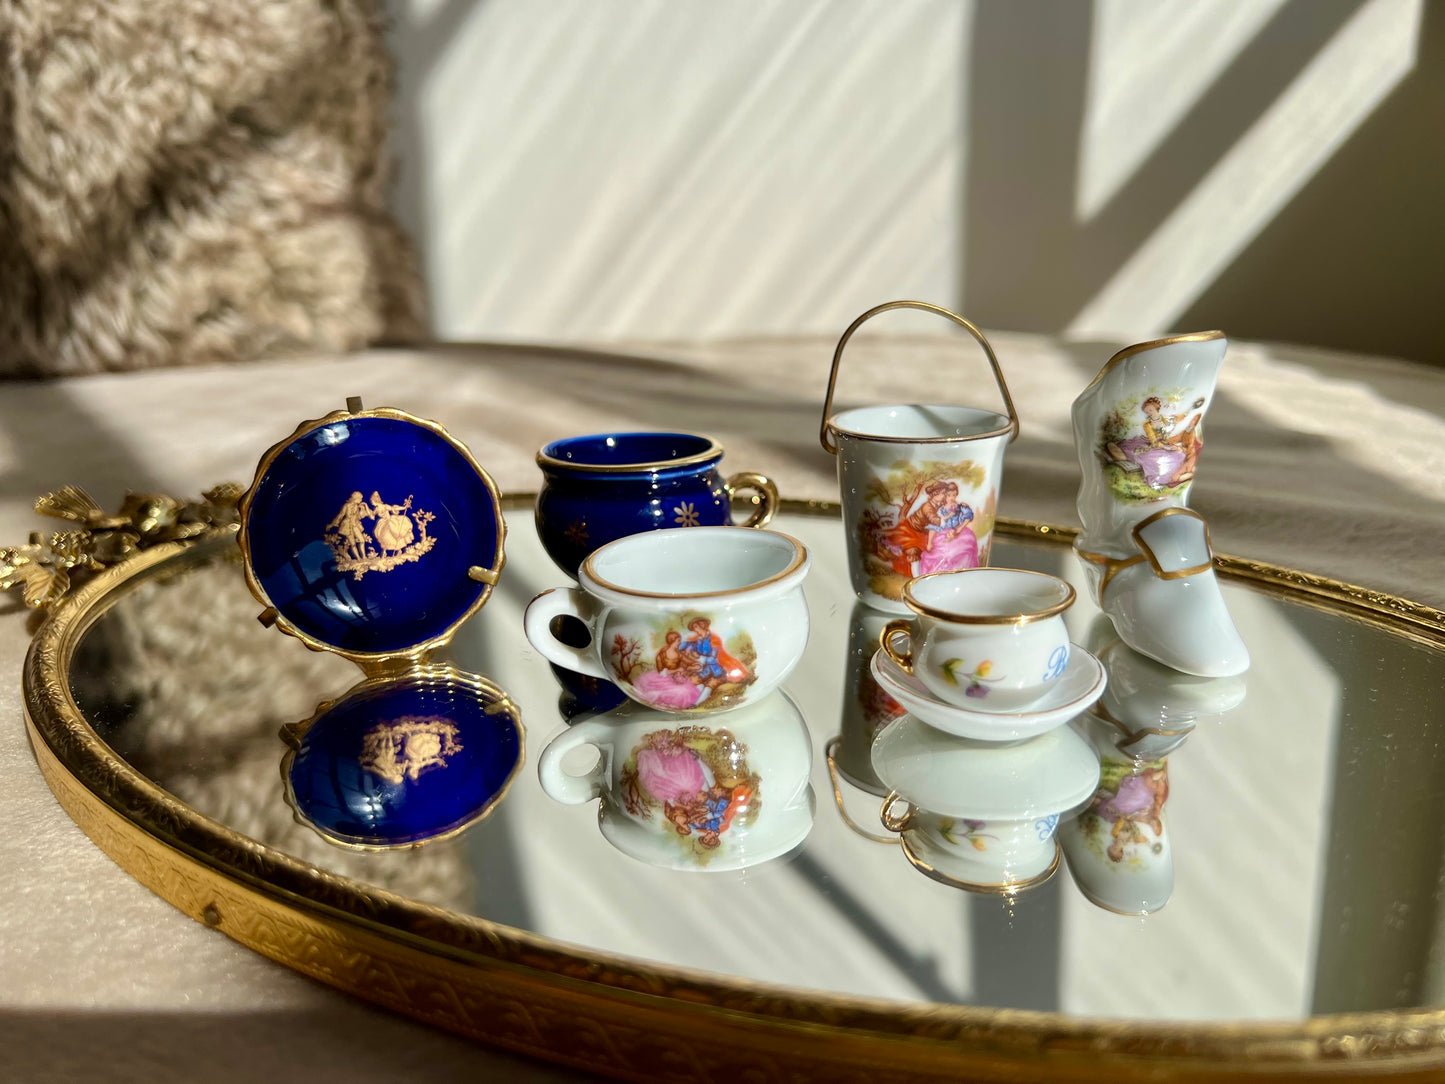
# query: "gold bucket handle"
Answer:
x=829 y=445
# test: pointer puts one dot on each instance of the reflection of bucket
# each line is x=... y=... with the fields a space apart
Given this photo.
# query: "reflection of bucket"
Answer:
x=867 y=709
x=919 y=483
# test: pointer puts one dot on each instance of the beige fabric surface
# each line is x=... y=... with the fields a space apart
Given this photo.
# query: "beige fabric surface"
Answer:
x=1321 y=461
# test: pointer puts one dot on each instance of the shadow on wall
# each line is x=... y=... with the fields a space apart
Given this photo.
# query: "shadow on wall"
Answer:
x=1354 y=260
x=1324 y=272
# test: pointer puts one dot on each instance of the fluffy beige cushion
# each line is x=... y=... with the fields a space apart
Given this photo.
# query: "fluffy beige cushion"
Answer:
x=186 y=181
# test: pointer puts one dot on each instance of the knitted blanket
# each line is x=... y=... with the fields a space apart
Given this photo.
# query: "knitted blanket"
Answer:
x=184 y=181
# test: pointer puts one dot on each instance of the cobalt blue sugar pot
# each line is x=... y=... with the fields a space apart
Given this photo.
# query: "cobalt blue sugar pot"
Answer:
x=599 y=488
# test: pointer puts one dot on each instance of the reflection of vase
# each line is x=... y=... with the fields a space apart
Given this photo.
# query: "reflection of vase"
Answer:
x=1117 y=847
x=1139 y=433
x=1152 y=708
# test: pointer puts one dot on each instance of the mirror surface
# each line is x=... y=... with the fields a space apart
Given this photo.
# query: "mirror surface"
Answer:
x=1305 y=825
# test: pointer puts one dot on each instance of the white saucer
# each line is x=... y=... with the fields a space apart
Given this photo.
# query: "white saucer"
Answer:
x=1075 y=692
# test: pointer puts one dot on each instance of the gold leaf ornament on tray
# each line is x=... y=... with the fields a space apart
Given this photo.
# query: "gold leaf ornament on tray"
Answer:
x=45 y=568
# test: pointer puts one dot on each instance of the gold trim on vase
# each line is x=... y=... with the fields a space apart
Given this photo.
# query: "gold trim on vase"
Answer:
x=1152 y=344
x=1148 y=551
x=603 y=1012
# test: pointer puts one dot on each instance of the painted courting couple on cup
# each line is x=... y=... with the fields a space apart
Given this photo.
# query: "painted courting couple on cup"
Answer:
x=922 y=518
x=691 y=666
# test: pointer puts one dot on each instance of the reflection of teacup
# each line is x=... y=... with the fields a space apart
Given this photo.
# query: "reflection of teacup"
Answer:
x=690 y=796
x=602 y=487
x=988 y=639
x=977 y=855
x=981 y=815
x=692 y=621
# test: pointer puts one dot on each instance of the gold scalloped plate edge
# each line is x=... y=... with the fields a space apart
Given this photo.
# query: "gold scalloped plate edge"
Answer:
x=518 y=990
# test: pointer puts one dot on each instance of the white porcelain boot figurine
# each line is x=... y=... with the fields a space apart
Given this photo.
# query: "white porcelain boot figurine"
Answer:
x=1139 y=433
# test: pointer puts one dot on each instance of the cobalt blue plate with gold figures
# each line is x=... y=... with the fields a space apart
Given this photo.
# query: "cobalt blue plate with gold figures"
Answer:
x=371 y=533
x=398 y=762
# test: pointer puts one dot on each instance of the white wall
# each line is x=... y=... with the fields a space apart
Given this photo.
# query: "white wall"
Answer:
x=597 y=169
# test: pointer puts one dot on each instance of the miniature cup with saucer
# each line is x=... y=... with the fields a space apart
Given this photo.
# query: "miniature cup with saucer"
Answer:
x=988 y=639
x=981 y=815
x=604 y=486
x=692 y=622
x=1081 y=685
x=919 y=482
x=693 y=795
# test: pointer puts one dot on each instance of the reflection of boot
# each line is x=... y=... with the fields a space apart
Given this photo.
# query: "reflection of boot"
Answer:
x=1146 y=554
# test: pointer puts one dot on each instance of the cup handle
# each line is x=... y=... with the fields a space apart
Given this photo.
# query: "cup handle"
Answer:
x=537 y=623
x=562 y=786
x=825 y=431
x=898 y=625
x=767 y=496
x=891 y=819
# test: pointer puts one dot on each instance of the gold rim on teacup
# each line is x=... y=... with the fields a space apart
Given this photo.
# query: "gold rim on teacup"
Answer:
x=714 y=450
x=800 y=558
x=925 y=610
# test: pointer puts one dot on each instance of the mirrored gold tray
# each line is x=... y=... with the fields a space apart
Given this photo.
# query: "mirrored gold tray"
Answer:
x=1304 y=934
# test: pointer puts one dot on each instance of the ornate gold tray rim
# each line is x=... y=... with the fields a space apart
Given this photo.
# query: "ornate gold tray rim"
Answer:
x=602 y=1012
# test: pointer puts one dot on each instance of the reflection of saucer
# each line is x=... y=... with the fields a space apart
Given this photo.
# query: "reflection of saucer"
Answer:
x=1080 y=686
x=934 y=862
x=402 y=761
x=959 y=777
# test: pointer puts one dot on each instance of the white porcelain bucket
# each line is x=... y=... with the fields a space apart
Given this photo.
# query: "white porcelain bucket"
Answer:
x=919 y=482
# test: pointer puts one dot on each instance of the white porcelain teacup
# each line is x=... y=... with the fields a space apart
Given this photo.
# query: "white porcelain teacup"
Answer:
x=985 y=639
x=691 y=621
x=686 y=794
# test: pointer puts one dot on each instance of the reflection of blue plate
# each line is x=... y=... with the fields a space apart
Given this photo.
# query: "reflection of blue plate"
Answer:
x=371 y=533
x=583 y=694
x=403 y=761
